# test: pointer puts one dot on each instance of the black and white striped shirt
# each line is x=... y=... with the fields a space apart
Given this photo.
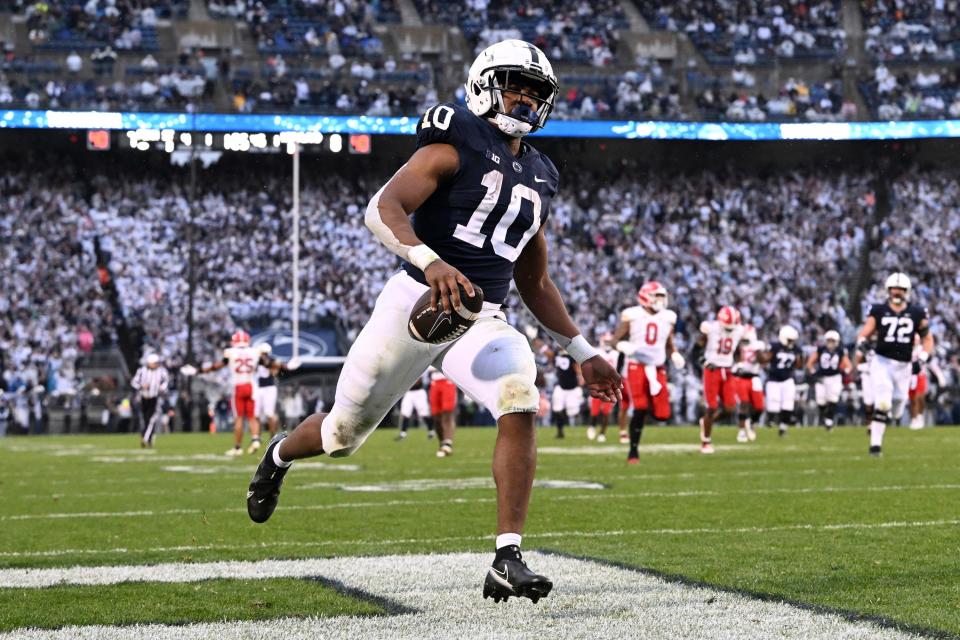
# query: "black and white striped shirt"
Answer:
x=150 y=382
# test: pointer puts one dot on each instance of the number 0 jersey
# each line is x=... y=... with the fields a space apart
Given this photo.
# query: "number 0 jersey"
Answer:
x=895 y=330
x=649 y=332
x=721 y=344
x=480 y=220
x=242 y=362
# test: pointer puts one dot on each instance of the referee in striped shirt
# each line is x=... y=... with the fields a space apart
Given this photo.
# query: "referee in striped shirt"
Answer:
x=150 y=381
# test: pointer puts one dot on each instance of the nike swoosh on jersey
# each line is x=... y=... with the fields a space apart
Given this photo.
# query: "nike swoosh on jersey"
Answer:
x=535 y=179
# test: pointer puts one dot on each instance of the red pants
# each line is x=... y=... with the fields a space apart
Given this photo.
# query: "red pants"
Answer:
x=919 y=389
x=243 y=404
x=746 y=394
x=717 y=384
x=640 y=391
x=443 y=396
x=599 y=407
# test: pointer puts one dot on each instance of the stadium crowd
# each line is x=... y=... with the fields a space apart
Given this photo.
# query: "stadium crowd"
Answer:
x=781 y=248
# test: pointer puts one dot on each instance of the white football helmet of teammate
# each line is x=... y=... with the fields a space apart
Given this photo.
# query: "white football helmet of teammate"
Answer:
x=511 y=62
x=898 y=280
x=788 y=336
x=831 y=339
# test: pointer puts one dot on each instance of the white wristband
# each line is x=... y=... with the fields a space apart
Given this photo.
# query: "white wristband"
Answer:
x=581 y=350
x=421 y=256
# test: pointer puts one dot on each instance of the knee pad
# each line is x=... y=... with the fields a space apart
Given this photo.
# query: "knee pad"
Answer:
x=883 y=405
x=881 y=416
x=517 y=393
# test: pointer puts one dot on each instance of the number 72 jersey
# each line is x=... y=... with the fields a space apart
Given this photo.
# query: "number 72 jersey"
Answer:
x=480 y=220
x=896 y=330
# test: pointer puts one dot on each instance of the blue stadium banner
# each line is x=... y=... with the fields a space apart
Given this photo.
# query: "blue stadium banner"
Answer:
x=219 y=122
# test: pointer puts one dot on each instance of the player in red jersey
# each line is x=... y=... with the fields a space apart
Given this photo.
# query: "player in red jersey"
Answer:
x=722 y=337
x=242 y=359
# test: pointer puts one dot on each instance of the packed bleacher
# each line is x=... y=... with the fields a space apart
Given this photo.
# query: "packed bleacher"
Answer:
x=912 y=94
x=84 y=26
x=907 y=30
x=728 y=32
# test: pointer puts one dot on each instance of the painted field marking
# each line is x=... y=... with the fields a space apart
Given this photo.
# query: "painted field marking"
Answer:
x=440 y=595
x=280 y=544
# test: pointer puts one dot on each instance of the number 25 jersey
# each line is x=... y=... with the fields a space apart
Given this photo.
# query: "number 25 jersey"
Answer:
x=480 y=219
x=895 y=330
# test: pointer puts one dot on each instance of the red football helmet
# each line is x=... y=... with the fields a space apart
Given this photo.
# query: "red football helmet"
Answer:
x=652 y=295
x=728 y=317
x=240 y=338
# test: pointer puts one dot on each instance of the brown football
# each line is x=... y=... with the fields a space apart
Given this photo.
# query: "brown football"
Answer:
x=437 y=327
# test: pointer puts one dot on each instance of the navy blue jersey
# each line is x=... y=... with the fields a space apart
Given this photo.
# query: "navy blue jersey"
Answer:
x=783 y=363
x=566 y=374
x=896 y=330
x=828 y=362
x=480 y=220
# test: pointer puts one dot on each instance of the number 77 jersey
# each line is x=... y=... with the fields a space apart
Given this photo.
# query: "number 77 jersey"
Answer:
x=480 y=220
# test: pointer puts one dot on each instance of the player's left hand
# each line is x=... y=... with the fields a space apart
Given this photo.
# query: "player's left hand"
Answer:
x=602 y=380
x=294 y=363
x=188 y=370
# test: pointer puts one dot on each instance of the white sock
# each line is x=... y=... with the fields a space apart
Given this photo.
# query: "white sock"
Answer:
x=651 y=372
x=507 y=539
x=876 y=433
x=277 y=460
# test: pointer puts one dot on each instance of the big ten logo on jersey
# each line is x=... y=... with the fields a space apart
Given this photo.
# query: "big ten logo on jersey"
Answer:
x=898 y=329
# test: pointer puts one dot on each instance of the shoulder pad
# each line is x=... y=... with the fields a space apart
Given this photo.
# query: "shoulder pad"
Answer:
x=448 y=123
x=671 y=316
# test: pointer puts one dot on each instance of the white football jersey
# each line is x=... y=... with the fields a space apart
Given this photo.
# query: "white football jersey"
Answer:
x=649 y=332
x=611 y=355
x=242 y=362
x=721 y=344
x=748 y=356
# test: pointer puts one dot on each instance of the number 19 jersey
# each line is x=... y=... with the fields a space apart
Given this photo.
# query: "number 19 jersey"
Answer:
x=649 y=332
x=721 y=344
x=481 y=218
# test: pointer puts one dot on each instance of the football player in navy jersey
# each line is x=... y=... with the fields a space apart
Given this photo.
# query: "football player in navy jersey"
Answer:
x=895 y=322
x=827 y=365
x=478 y=195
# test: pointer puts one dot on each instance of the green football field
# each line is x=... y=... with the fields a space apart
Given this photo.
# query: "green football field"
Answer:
x=809 y=519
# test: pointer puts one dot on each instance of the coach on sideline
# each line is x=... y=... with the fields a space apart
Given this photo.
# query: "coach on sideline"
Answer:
x=150 y=381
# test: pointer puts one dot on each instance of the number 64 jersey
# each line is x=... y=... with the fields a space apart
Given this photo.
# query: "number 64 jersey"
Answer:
x=480 y=220
x=896 y=330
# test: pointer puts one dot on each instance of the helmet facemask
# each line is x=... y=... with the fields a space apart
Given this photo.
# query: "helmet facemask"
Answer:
x=522 y=118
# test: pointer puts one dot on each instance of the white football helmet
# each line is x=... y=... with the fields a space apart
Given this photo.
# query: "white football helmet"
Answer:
x=831 y=336
x=788 y=336
x=898 y=280
x=505 y=63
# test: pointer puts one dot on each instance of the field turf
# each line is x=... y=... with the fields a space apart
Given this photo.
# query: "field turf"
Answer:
x=809 y=518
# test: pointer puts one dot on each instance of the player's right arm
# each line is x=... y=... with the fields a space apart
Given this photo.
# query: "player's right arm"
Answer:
x=215 y=366
x=388 y=217
x=619 y=335
x=869 y=326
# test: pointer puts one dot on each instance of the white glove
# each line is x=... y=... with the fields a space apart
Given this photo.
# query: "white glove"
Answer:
x=678 y=360
x=924 y=356
x=627 y=348
x=294 y=363
x=188 y=370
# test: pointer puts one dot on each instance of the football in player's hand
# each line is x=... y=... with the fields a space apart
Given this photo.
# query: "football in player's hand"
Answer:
x=437 y=327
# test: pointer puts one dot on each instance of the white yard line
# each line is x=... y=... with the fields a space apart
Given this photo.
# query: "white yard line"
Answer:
x=533 y=538
x=442 y=596
x=479 y=483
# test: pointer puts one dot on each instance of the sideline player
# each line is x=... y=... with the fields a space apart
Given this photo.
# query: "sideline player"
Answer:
x=443 y=405
x=242 y=360
x=721 y=337
x=897 y=323
x=479 y=195
x=599 y=409
x=746 y=373
x=784 y=358
x=828 y=364
x=265 y=392
x=415 y=400
x=648 y=327
x=567 y=395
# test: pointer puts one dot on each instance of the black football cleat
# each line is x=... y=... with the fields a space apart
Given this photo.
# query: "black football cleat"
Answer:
x=875 y=451
x=511 y=577
x=264 y=490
